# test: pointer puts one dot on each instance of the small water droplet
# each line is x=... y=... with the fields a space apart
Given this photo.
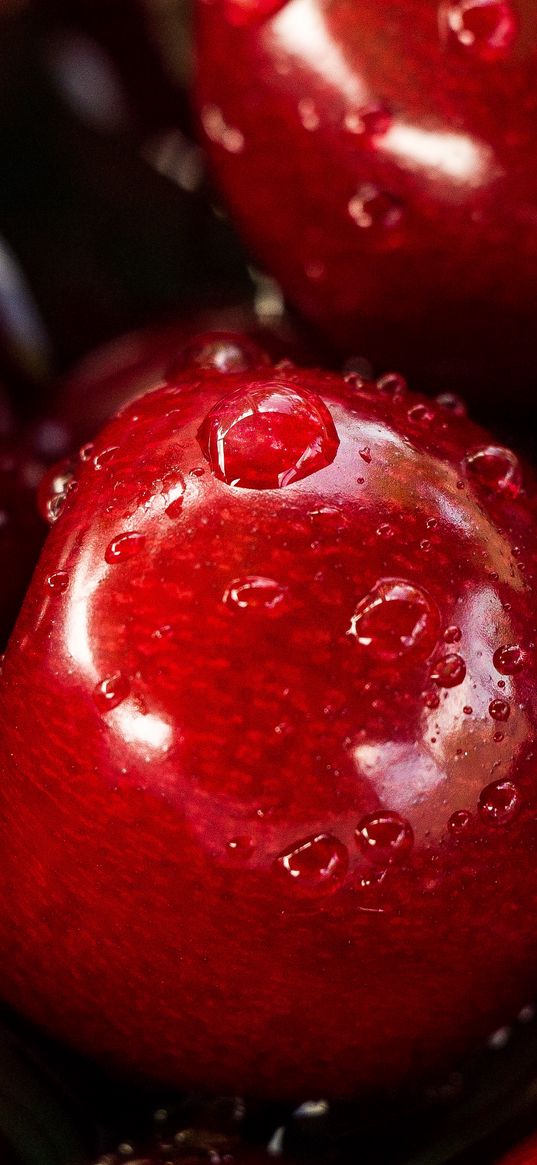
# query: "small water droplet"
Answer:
x=499 y=803
x=218 y=130
x=370 y=120
x=385 y=530
x=106 y=457
x=449 y=671
x=376 y=211
x=499 y=710
x=365 y=454
x=248 y=13
x=314 y=866
x=452 y=634
x=54 y=489
x=268 y=436
x=468 y=710
x=308 y=114
x=498 y=737
x=384 y=837
x=451 y=404
x=240 y=848
x=111 y=692
x=421 y=414
x=392 y=384
x=222 y=352
x=496 y=469
x=509 y=659
x=255 y=593
x=86 y=452
x=459 y=822
x=396 y=618
x=123 y=547
x=58 y=582
x=431 y=699
x=487 y=28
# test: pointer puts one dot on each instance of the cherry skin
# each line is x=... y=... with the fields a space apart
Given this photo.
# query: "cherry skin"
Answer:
x=267 y=729
x=384 y=168
x=524 y=1154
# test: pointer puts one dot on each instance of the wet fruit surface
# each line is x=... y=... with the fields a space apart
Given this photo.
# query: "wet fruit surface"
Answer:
x=382 y=165
x=266 y=741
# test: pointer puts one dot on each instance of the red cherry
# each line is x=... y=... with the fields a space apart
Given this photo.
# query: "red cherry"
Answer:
x=258 y=819
x=384 y=168
x=22 y=530
x=524 y=1154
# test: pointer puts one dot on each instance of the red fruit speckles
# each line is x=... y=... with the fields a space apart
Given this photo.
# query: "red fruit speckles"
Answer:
x=281 y=761
x=383 y=167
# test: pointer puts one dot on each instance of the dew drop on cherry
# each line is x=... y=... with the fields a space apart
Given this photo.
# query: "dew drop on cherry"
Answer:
x=496 y=469
x=509 y=659
x=449 y=671
x=110 y=692
x=499 y=710
x=106 y=457
x=314 y=866
x=499 y=803
x=486 y=28
x=392 y=384
x=268 y=436
x=420 y=414
x=58 y=582
x=459 y=822
x=255 y=593
x=240 y=848
x=396 y=618
x=451 y=403
x=384 y=837
x=54 y=489
x=376 y=211
x=123 y=547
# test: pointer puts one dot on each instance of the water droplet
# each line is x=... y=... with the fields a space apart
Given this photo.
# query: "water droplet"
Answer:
x=268 y=436
x=392 y=384
x=509 y=659
x=486 y=27
x=218 y=130
x=240 y=848
x=314 y=866
x=365 y=454
x=451 y=404
x=123 y=547
x=376 y=211
x=385 y=530
x=499 y=803
x=496 y=469
x=106 y=457
x=384 y=837
x=468 y=710
x=58 y=582
x=459 y=822
x=396 y=618
x=370 y=121
x=498 y=737
x=111 y=692
x=421 y=414
x=449 y=671
x=86 y=452
x=308 y=114
x=221 y=352
x=255 y=593
x=54 y=489
x=247 y=13
x=499 y=710
x=452 y=634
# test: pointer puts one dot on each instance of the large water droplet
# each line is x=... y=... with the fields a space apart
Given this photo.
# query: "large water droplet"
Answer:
x=376 y=211
x=111 y=692
x=509 y=659
x=499 y=710
x=449 y=671
x=222 y=352
x=384 y=837
x=496 y=469
x=487 y=28
x=58 y=582
x=499 y=802
x=268 y=436
x=314 y=866
x=396 y=618
x=123 y=547
x=255 y=593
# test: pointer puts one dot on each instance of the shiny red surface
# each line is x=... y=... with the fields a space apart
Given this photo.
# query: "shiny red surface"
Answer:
x=22 y=530
x=268 y=793
x=382 y=162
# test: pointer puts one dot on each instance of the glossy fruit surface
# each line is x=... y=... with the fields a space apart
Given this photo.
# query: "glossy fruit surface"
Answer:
x=382 y=164
x=267 y=732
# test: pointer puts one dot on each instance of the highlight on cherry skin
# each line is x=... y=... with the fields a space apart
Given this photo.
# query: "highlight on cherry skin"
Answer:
x=267 y=725
x=382 y=166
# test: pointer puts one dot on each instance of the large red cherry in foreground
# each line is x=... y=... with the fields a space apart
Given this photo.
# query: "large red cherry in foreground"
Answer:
x=383 y=165
x=267 y=729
